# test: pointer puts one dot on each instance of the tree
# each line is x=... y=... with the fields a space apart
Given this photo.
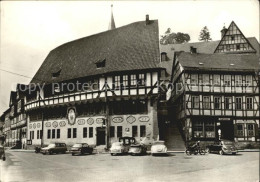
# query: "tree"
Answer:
x=170 y=37
x=204 y=35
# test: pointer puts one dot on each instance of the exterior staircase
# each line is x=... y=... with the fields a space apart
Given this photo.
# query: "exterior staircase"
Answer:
x=173 y=138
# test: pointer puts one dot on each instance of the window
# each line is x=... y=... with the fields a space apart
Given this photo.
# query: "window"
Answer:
x=125 y=80
x=206 y=103
x=240 y=130
x=198 y=129
x=238 y=80
x=249 y=103
x=49 y=134
x=209 y=129
x=101 y=63
x=238 y=47
x=216 y=80
x=32 y=135
x=205 y=78
x=69 y=132
x=133 y=80
x=195 y=102
x=250 y=129
x=238 y=102
x=227 y=80
x=117 y=82
x=53 y=133
x=194 y=79
x=90 y=132
x=112 y=131
x=248 y=80
x=38 y=134
x=85 y=132
x=119 y=131
x=141 y=80
x=142 y=131
x=217 y=103
x=228 y=103
x=74 y=132
x=163 y=56
x=58 y=133
x=134 y=131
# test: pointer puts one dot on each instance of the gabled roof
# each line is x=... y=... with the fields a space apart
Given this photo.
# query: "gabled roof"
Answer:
x=203 y=47
x=131 y=47
x=232 y=62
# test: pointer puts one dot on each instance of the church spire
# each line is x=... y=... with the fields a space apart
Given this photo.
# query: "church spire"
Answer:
x=111 y=25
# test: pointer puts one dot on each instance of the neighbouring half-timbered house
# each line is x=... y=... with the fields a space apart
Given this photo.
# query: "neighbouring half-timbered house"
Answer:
x=216 y=88
x=116 y=74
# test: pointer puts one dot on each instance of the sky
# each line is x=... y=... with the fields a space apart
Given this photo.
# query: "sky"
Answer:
x=31 y=29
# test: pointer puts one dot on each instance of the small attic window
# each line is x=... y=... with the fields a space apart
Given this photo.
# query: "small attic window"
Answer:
x=200 y=63
x=56 y=74
x=101 y=63
x=163 y=56
x=231 y=64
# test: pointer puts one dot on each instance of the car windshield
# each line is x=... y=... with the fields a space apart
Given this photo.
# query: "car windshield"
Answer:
x=158 y=143
x=117 y=144
x=77 y=145
x=51 y=145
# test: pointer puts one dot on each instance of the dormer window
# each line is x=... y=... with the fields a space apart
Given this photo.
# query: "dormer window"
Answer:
x=56 y=74
x=101 y=63
x=163 y=56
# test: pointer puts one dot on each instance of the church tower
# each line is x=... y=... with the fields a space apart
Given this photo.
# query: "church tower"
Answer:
x=111 y=25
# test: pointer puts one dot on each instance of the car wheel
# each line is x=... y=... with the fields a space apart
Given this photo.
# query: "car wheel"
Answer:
x=112 y=154
x=50 y=152
x=202 y=152
x=221 y=152
x=72 y=154
x=187 y=152
x=3 y=158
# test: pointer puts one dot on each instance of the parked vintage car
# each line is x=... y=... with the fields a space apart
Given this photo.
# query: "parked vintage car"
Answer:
x=54 y=148
x=137 y=149
x=2 y=153
x=122 y=146
x=222 y=147
x=81 y=148
x=158 y=147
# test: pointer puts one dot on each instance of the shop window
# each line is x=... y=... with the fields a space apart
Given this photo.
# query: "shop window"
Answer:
x=134 y=131
x=142 y=131
x=198 y=129
x=90 y=132
x=217 y=102
x=53 y=133
x=240 y=130
x=195 y=102
x=206 y=102
x=228 y=103
x=250 y=130
x=210 y=129
x=69 y=133
x=112 y=131
x=119 y=131
x=85 y=132
x=58 y=133
x=239 y=103
x=249 y=103
x=49 y=134
x=74 y=132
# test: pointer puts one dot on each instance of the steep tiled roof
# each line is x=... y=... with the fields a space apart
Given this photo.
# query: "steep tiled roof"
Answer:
x=219 y=61
x=131 y=47
x=203 y=47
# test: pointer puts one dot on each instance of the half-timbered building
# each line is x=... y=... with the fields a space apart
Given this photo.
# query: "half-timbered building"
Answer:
x=216 y=88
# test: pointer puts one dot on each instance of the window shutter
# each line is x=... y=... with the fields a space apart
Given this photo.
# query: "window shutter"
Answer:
x=235 y=130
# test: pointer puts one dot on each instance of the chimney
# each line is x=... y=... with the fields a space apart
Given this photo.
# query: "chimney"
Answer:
x=193 y=50
x=147 y=21
x=223 y=31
